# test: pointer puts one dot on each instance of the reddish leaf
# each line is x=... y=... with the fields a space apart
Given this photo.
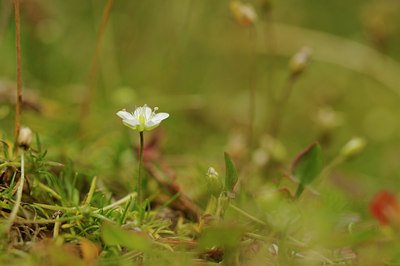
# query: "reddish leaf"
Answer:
x=384 y=207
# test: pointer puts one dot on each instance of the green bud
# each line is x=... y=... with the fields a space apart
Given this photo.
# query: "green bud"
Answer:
x=214 y=183
x=353 y=148
x=299 y=61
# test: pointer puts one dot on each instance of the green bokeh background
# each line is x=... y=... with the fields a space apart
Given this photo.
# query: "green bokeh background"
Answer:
x=191 y=59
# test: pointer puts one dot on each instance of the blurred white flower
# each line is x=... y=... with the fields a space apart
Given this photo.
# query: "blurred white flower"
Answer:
x=143 y=118
x=211 y=172
x=244 y=14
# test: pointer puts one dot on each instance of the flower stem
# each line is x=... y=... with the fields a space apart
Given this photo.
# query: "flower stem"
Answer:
x=19 y=193
x=139 y=185
x=19 y=79
x=281 y=105
x=252 y=89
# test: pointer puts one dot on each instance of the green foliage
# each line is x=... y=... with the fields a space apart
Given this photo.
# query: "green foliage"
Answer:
x=205 y=84
x=231 y=176
x=114 y=235
x=221 y=234
x=307 y=166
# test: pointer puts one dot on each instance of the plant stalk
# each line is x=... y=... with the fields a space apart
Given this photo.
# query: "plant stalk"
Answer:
x=139 y=185
x=281 y=105
x=252 y=89
x=19 y=76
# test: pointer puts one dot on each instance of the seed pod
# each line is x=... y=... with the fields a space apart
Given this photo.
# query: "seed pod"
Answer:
x=25 y=138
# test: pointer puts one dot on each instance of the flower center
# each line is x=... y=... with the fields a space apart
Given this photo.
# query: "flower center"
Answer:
x=142 y=119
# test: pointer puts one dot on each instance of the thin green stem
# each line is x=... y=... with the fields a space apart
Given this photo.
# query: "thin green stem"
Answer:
x=108 y=207
x=252 y=89
x=91 y=191
x=270 y=44
x=48 y=221
x=19 y=193
x=119 y=202
x=48 y=189
x=15 y=164
x=334 y=163
x=139 y=185
x=280 y=106
x=251 y=217
x=57 y=226
x=54 y=207
x=19 y=76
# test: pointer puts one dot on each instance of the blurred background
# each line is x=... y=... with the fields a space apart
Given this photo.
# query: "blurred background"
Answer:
x=194 y=61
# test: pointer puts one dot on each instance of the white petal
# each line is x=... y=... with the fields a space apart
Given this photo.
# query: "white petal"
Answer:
x=124 y=115
x=138 y=111
x=147 y=111
x=151 y=123
x=160 y=116
x=133 y=122
x=130 y=126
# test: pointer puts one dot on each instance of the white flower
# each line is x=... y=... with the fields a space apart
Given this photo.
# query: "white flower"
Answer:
x=143 y=118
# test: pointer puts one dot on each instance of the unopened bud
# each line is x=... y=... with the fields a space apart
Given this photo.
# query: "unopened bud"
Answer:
x=244 y=14
x=299 y=61
x=327 y=119
x=260 y=157
x=353 y=148
x=214 y=183
x=275 y=148
x=25 y=138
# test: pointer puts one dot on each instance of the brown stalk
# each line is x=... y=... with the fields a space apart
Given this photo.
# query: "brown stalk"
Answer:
x=91 y=82
x=19 y=77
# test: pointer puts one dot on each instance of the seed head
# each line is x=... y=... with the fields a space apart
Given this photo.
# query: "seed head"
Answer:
x=25 y=138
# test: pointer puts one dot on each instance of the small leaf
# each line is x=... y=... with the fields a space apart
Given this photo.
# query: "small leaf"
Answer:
x=39 y=146
x=231 y=176
x=307 y=166
x=5 y=149
x=114 y=235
